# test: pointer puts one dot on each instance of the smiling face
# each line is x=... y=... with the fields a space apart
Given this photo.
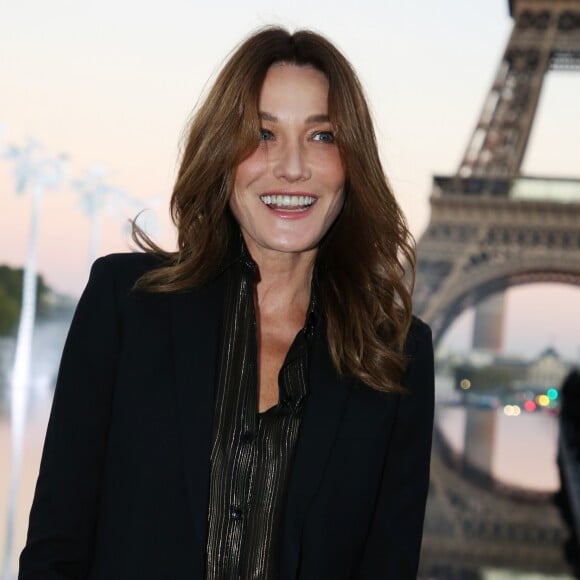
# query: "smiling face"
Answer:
x=289 y=191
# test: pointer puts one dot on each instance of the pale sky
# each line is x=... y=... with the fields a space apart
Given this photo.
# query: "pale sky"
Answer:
x=113 y=82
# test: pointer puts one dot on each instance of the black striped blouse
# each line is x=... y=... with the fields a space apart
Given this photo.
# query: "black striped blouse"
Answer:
x=252 y=452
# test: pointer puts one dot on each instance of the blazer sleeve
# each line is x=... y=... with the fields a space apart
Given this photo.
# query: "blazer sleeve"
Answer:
x=394 y=541
x=64 y=511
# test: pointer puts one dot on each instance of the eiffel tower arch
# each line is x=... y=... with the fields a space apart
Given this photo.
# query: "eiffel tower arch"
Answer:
x=490 y=228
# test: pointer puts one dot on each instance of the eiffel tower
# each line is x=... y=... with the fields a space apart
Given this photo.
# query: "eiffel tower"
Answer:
x=490 y=227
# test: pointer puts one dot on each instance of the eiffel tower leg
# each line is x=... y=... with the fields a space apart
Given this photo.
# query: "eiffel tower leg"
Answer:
x=488 y=324
x=499 y=140
x=480 y=425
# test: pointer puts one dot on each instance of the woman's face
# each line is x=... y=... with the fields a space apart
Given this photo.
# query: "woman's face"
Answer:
x=289 y=191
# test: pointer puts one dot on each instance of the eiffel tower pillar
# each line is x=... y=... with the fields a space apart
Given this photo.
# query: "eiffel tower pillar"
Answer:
x=479 y=440
x=488 y=324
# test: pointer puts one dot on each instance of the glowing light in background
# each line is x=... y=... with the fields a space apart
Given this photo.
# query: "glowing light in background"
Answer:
x=512 y=410
x=465 y=384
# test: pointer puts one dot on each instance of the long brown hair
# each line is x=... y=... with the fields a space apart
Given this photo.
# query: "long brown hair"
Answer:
x=365 y=265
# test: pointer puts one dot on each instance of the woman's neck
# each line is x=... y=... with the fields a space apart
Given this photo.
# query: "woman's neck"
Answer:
x=284 y=280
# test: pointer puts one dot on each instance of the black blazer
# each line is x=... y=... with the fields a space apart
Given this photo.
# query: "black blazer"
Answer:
x=122 y=492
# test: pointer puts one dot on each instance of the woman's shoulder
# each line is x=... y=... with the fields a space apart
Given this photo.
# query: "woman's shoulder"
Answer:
x=419 y=333
x=124 y=269
x=137 y=262
x=419 y=375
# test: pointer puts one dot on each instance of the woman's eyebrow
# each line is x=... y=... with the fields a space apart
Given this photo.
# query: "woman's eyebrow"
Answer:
x=268 y=117
x=319 y=118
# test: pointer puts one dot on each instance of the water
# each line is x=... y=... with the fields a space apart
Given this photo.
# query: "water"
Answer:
x=48 y=342
x=524 y=450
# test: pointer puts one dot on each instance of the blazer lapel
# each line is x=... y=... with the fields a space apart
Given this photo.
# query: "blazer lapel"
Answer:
x=195 y=320
x=322 y=415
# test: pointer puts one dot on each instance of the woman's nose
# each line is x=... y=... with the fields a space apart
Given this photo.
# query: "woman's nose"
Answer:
x=291 y=162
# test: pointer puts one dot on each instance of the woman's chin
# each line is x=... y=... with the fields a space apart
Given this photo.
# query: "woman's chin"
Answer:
x=283 y=245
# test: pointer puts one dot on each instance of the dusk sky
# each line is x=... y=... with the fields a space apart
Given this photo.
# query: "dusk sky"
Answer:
x=114 y=83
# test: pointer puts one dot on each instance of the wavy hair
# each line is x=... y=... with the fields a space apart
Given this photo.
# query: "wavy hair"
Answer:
x=366 y=263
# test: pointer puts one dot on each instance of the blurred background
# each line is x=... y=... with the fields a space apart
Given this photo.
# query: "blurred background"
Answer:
x=94 y=99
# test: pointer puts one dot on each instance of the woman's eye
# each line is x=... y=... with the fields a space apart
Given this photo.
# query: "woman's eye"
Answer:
x=324 y=137
x=266 y=135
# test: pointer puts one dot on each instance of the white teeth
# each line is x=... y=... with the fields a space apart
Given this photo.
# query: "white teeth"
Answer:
x=288 y=200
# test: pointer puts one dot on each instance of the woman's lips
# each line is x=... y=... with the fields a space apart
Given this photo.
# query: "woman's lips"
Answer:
x=289 y=206
x=295 y=202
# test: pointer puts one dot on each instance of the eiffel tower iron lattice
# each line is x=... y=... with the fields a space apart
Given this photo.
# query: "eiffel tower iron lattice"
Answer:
x=490 y=228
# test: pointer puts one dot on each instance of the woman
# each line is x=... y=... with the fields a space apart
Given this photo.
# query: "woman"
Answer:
x=257 y=404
